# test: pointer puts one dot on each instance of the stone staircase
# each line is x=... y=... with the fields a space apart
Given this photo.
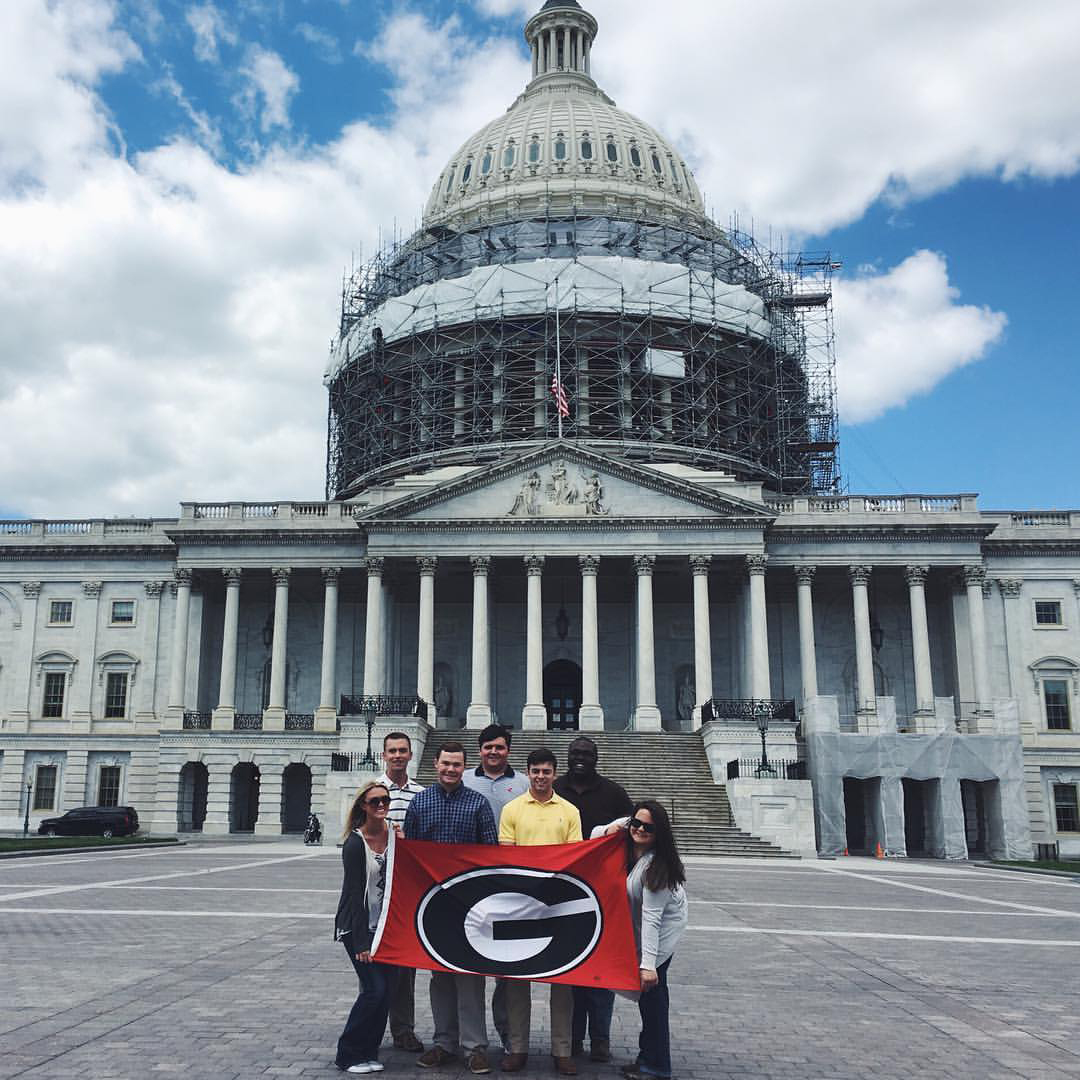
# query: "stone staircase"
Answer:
x=670 y=767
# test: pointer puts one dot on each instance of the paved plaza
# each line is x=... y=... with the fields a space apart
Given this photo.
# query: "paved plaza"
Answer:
x=217 y=961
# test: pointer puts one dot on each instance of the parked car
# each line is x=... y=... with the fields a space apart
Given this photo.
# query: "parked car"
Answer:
x=93 y=821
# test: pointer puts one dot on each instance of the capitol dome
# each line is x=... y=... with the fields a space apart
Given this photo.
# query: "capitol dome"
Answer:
x=564 y=146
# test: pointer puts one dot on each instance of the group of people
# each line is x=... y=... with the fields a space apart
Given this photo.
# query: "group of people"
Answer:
x=496 y=804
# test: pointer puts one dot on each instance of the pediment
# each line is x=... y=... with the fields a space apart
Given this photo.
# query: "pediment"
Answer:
x=564 y=482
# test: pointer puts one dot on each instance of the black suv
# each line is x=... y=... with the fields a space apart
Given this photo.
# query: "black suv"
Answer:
x=93 y=821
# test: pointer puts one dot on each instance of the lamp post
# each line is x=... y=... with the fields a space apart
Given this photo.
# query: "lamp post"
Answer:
x=762 y=714
x=369 y=719
x=26 y=819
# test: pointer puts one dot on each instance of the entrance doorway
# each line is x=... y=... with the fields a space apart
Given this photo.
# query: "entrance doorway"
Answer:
x=981 y=800
x=922 y=818
x=862 y=809
x=191 y=798
x=244 y=798
x=562 y=694
x=295 y=798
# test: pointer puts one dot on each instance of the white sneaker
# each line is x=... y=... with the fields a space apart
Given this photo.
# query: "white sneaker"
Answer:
x=363 y=1067
x=375 y=1066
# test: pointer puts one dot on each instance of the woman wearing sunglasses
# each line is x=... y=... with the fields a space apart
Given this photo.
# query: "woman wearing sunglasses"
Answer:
x=654 y=883
x=364 y=853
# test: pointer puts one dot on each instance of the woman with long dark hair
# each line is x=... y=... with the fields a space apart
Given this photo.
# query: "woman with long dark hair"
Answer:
x=363 y=855
x=654 y=884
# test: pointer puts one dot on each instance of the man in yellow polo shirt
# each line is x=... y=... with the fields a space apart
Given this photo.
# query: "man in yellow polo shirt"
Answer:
x=539 y=817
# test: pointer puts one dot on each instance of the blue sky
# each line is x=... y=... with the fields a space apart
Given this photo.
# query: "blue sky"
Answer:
x=183 y=184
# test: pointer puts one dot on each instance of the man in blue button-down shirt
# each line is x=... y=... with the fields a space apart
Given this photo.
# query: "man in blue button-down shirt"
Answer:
x=449 y=813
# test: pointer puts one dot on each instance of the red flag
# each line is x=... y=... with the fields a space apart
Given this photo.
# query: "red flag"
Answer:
x=556 y=913
x=561 y=401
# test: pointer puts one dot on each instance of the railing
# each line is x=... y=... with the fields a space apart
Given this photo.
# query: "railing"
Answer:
x=196 y=721
x=16 y=528
x=1040 y=518
x=311 y=509
x=829 y=506
x=260 y=510
x=212 y=510
x=776 y=770
x=247 y=721
x=351 y=762
x=940 y=504
x=295 y=721
x=241 y=511
x=781 y=506
x=383 y=705
x=128 y=527
x=746 y=709
x=68 y=528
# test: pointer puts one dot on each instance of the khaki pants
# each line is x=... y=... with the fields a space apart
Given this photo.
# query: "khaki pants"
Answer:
x=519 y=1016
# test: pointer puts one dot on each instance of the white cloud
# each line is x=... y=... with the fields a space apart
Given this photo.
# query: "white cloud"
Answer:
x=267 y=78
x=210 y=29
x=900 y=333
x=322 y=41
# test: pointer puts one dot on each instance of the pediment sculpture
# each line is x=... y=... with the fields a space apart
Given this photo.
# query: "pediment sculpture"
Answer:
x=559 y=495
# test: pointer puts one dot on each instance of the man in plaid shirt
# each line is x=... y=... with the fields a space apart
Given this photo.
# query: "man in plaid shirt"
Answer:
x=450 y=813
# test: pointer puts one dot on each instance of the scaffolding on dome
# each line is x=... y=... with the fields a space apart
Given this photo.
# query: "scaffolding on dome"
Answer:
x=694 y=382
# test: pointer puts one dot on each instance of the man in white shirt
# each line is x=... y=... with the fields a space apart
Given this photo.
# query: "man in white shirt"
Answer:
x=397 y=753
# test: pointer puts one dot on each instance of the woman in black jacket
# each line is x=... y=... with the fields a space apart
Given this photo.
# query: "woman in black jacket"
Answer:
x=367 y=841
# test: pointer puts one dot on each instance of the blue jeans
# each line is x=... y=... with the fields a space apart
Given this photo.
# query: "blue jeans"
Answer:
x=366 y=1025
x=592 y=1010
x=654 y=1042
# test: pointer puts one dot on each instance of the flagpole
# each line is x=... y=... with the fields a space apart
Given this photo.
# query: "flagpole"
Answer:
x=558 y=354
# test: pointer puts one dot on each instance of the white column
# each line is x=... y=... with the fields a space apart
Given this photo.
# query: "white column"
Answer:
x=590 y=712
x=920 y=639
x=82 y=711
x=703 y=688
x=326 y=713
x=865 y=694
x=19 y=718
x=534 y=712
x=588 y=56
x=804 y=583
x=178 y=671
x=152 y=637
x=274 y=714
x=553 y=51
x=373 y=629
x=226 y=708
x=759 y=629
x=425 y=645
x=535 y=57
x=579 y=50
x=974 y=577
x=478 y=714
x=646 y=715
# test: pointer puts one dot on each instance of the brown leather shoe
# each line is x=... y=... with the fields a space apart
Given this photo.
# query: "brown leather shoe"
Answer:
x=478 y=1062
x=514 y=1062
x=409 y=1041
x=600 y=1050
x=565 y=1066
x=435 y=1058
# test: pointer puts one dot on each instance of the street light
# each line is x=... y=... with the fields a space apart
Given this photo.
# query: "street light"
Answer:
x=370 y=706
x=762 y=714
x=26 y=819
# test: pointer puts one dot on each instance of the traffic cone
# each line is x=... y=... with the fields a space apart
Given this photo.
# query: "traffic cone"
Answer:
x=879 y=854
x=845 y=851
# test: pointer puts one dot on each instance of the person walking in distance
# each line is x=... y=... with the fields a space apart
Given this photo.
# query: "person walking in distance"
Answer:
x=498 y=782
x=450 y=813
x=599 y=801
x=397 y=753
x=539 y=817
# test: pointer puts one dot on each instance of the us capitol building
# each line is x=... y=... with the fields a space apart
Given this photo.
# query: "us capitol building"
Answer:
x=672 y=553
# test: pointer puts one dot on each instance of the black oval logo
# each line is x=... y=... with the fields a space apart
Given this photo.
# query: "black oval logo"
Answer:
x=510 y=920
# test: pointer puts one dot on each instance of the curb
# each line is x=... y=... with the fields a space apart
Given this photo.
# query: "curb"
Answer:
x=86 y=850
x=1042 y=871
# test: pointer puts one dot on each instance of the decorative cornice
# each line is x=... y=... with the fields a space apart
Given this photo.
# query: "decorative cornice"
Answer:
x=154 y=589
x=281 y=575
x=916 y=575
x=756 y=565
x=562 y=525
x=590 y=565
x=804 y=574
x=1010 y=586
x=481 y=564
x=700 y=564
x=534 y=565
x=15 y=553
x=876 y=534
x=374 y=565
x=643 y=565
x=346 y=536
x=330 y=574
x=1021 y=548
x=31 y=589
x=91 y=589
x=860 y=574
x=232 y=575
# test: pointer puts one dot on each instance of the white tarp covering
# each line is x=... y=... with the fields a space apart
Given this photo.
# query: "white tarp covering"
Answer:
x=601 y=284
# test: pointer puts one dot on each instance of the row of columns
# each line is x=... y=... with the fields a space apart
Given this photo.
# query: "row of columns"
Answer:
x=576 y=48
x=534 y=712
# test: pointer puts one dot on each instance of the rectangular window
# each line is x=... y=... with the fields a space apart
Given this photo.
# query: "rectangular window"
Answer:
x=60 y=612
x=1056 y=696
x=116 y=688
x=1048 y=613
x=52 y=702
x=45 y=787
x=109 y=786
x=123 y=612
x=1065 y=806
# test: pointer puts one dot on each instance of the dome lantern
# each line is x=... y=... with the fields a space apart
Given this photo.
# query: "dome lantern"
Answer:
x=560 y=36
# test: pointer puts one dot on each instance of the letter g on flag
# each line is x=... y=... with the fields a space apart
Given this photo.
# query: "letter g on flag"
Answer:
x=510 y=920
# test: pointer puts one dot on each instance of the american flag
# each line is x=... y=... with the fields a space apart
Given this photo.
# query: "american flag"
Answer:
x=560 y=396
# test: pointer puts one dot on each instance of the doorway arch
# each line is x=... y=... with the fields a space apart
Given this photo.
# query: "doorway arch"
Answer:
x=244 y=797
x=295 y=797
x=191 y=797
x=562 y=695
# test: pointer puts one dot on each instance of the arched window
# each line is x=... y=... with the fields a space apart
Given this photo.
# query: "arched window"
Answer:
x=635 y=156
x=586 y=150
x=485 y=163
x=534 y=151
x=674 y=171
x=560 y=147
x=657 y=167
x=612 y=151
x=467 y=172
x=689 y=186
x=450 y=180
x=509 y=156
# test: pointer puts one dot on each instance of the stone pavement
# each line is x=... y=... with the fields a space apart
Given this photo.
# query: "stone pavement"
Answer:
x=216 y=961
